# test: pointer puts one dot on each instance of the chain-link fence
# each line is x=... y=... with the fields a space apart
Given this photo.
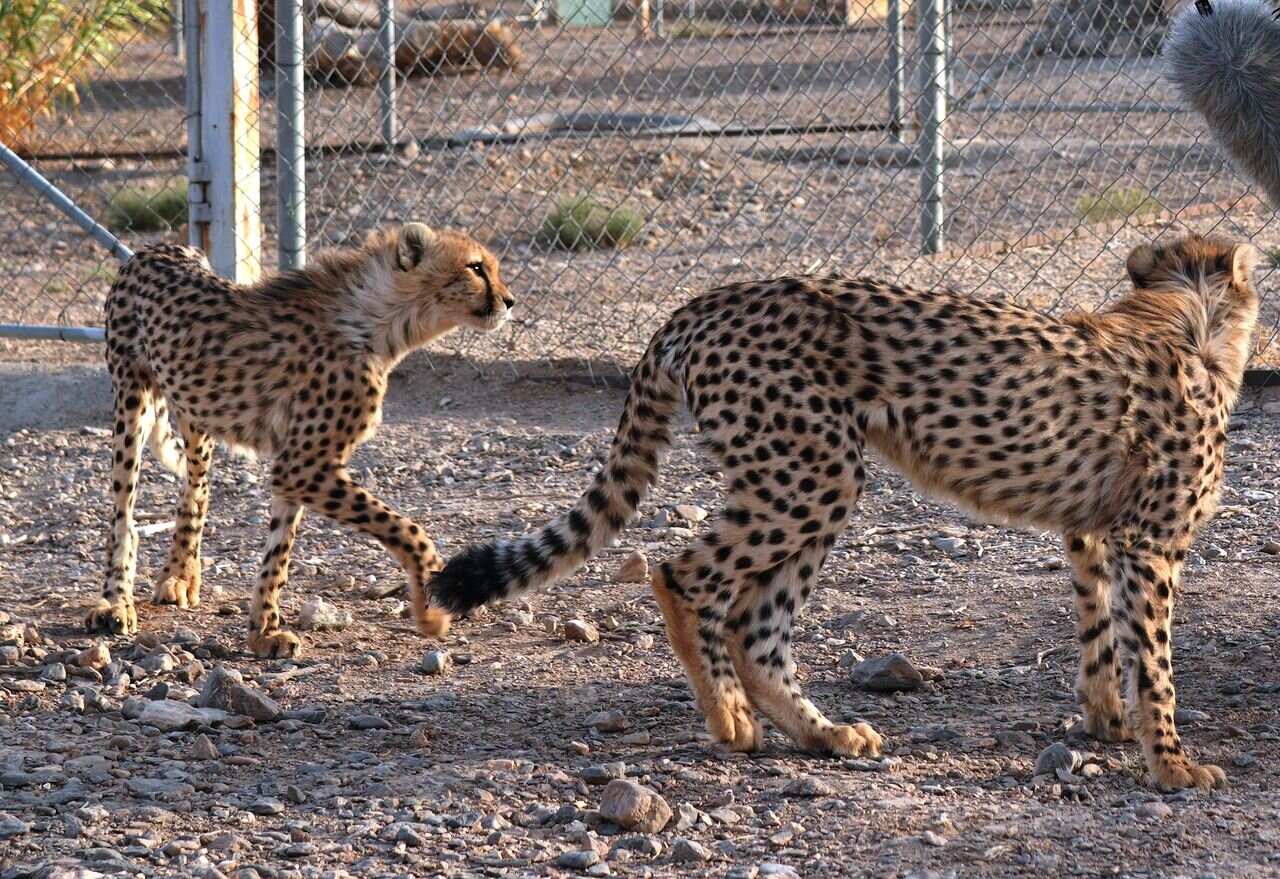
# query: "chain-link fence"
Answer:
x=719 y=139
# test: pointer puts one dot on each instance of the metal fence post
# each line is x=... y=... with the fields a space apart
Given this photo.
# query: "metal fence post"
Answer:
x=176 y=29
x=933 y=119
x=291 y=142
x=222 y=161
x=897 y=70
x=387 y=81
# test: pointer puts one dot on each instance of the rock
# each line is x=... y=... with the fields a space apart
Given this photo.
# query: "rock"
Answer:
x=690 y=512
x=607 y=721
x=933 y=839
x=1057 y=756
x=168 y=715
x=1155 y=810
x=578 y=630
x=635 y=807
x=1189 y=715
x=216 y=692
x=317 y=615
x=952 y=546
x=11 y=826
x=368 y=721
x=167 y=789
x=420 y=738
x=578 y=860
x=782 y=871
x=887 y=674
x=133 y=707
x=253 y=703
x=266 y=806
x=203 y=748
x=72 y=702
x=96 y=657
x=54 y=671
x=1271 y=547
x=603 y=773
x=635 y=569
x=808 y=787
x=686 y=851
x=688 y=816
x=436 y=662
x=159 y=663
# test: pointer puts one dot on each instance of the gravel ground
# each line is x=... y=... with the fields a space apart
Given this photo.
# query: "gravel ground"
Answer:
x=146 y=757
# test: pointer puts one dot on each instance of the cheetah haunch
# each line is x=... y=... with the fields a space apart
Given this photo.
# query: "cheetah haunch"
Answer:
x=294 y=367
x=1107 y=427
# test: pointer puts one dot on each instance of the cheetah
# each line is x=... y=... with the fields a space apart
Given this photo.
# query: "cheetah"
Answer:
x=295 y=368
x=1108 y=427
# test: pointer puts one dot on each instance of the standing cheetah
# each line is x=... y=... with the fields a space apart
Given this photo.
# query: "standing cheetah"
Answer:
x=294 y=367
x=1107 y=427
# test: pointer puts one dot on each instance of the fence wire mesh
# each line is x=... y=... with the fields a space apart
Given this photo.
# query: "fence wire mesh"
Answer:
x=721 y=139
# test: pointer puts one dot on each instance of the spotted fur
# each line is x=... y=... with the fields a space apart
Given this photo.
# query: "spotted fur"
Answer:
x=295 y=368
x=1108 y=427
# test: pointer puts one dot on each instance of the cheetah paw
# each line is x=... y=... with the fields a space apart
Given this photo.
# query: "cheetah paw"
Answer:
x=277 y=645
x=182 y=591
x=851 y=741
x=118 y=619
x=1176 y=776
x=1107 y=726
x=433 y=621
x=736 y=726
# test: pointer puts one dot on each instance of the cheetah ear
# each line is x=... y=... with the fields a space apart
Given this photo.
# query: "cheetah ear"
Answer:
x=412 y=242
x=1243 y=259
x=1141 y=261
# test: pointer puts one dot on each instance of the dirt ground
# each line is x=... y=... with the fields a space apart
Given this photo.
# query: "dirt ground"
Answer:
x=361 y=764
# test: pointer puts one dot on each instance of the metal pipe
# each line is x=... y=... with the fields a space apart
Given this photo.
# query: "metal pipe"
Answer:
x=387 y=82
x=175 y=28
x=950 y=48
x=195 y=140
x=1051 y=107
x=657 y=18
x=61 y=334
x=933 y=119
x=46 y=190
x=897 y=70
x=291 y=138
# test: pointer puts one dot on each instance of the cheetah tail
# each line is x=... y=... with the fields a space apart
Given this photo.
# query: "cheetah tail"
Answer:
x=164 y=444
x=501 y=569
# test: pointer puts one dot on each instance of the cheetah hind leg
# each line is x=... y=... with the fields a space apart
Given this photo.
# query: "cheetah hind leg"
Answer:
x=760 y=644
x=179 y=581
x=729 y=714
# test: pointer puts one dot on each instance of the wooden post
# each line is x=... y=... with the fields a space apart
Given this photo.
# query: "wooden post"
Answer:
x=223 y=158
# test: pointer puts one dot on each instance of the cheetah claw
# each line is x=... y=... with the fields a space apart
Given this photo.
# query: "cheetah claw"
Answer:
x=118 y=619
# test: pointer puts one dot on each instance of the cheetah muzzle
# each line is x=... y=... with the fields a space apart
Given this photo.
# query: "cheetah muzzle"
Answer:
x=1107 y=427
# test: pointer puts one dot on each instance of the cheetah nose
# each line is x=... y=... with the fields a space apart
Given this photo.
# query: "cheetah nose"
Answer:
x=508 y=300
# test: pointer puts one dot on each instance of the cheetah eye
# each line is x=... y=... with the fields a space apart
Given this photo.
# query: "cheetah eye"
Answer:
x=477 y=267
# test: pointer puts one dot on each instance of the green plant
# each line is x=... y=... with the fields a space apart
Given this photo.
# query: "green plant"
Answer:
x=148 y=209
x=50 y=46
x=584 y=221
x=1115 y=202
x=1273 y=253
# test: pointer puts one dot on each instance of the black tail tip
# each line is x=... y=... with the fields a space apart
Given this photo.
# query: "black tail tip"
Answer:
x=470 y=579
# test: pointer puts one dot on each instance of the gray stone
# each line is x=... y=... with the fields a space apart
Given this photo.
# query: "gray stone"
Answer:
x=266 y=806
x=203 y=748
x=436 y=662
x=607 y=721
x=319 y=616
x=368 y=721
x=95 y=657
x=253 y=703
x=579 y=630
x=1057 y=756
x=635 y=807
x=1155 y=810
x=578 y=860
x=165 y=789
x=11 y=827
x=686 y=851
x=887 y=674
x=808 y=787
x=783 y=871
x=603 y=773
x=216 y=692
x=168 y=715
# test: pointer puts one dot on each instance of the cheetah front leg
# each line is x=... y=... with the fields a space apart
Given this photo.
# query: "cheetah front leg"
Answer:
x=1144 y=580
x=266 y=638
x=179 y=581
x=332 y=492
x=1098 y=681
x=115 y=611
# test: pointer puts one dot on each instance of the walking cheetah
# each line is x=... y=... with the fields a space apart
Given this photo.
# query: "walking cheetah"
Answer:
x=294 y=367
x=1107 y=427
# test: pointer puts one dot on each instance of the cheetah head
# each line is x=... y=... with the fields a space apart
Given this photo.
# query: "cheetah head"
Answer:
x=1207 y=283
x=451 y=272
